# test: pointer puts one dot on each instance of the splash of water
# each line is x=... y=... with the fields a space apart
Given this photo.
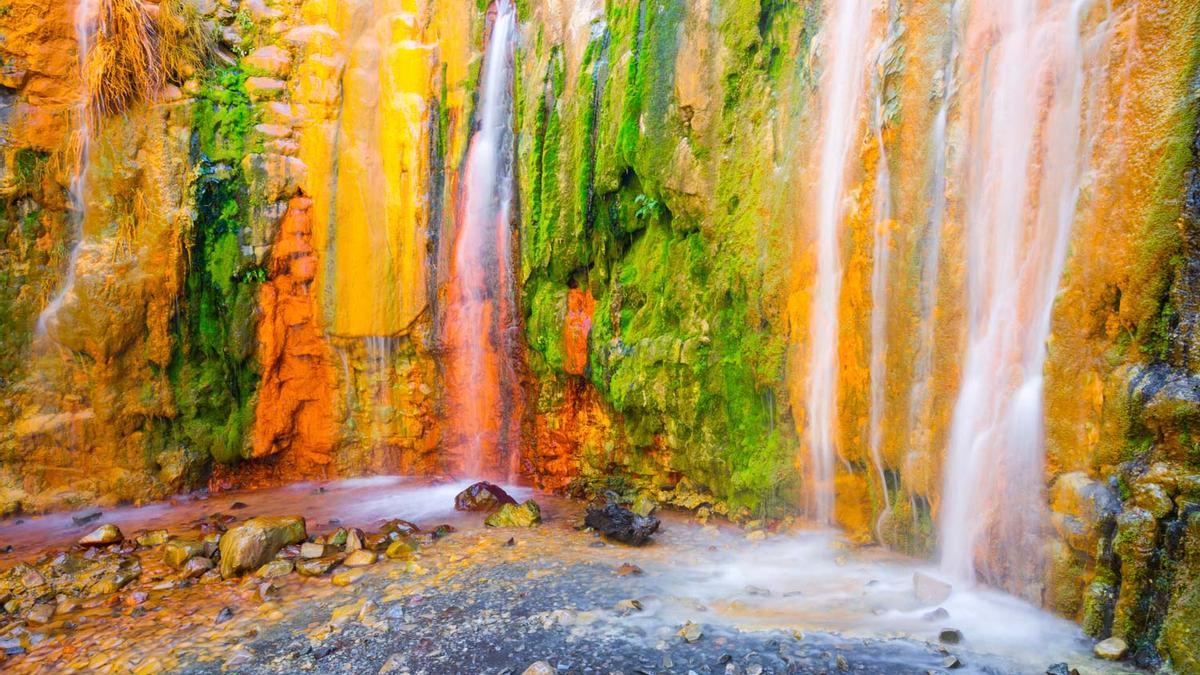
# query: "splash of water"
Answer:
x=1023 y=180
x=85 y=32
x=480 y=322
x=842 y=90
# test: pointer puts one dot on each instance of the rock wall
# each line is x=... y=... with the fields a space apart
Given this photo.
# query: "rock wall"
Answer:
x=264 y=240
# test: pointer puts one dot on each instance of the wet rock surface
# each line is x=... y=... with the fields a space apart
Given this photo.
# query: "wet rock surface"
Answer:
x=482 y=496
x=620 y=524
x=473 y=600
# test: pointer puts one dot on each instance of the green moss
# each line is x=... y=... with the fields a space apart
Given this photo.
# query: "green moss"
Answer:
x=214 y=371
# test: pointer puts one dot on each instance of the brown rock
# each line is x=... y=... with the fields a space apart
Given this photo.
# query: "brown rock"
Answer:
x=253 y=543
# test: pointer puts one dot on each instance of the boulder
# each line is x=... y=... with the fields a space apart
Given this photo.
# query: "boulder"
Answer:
x=255 y=542
x=511 y=515
x=620 y=524
x=482 y=496
x=1112 y=649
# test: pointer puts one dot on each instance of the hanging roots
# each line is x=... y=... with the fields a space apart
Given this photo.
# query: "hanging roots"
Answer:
x=137 y=48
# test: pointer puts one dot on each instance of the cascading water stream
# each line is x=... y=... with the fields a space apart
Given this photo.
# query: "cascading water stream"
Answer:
x=480 y=322
x=1023 y=182
x=919 y=397
x=843 y=84
x=881 y=257
x=85 y=29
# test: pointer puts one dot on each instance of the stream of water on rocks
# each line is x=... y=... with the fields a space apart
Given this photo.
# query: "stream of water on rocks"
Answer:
x=483 y=599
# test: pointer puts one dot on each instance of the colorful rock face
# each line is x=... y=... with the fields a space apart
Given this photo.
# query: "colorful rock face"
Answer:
x=926 y=269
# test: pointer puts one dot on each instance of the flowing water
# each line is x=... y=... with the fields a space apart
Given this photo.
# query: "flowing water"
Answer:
x=480 y=321
x=847 y=45
x=1024 y=106
x=85 y=30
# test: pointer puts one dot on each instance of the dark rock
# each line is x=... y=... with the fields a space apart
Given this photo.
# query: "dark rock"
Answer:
x=620 y=524
x=1061 y=669
x=482 y=496
x=224 y=615
x=443 y=530
x=85 y=518
x=951 y=662
x=237 y=506
x=950 y=636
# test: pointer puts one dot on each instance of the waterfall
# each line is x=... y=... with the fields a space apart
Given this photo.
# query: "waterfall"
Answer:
x=842 y=86
x=480 y=322
x=85 y=31
x=881 y=259
x=1025 y=112
x=919 y=397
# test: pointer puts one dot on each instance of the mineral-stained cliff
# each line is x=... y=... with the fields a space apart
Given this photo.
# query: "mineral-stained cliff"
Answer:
x=248 y=266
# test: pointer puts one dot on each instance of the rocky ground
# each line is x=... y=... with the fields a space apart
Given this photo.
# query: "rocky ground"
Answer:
x=553 y=597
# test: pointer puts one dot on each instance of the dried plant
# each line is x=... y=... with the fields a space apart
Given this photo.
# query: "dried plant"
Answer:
x=137 y=48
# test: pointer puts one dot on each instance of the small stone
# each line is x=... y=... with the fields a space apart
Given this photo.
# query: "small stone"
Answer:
x=757 y=590
x=950 y=636
x=930 y=590
x=268 y=591
x=842 y=664
x=540 y=668
x=443 y=530
x=690 y=632
x=757 y=535
x=312 y=550
x=176 y=552
x=348 y=577
x=224 y=615
x=102 y=536
x=316 y=567
x=401 y=549
x=1112 y=649
x=275 y=569
x=354 y=540
x=629 y=569
x=196 y=567
x=360 y=558
x=41 y=613
x=951 y=662
x=337 y=537
x=153 y=538
x=1061 y=669
x=237 y=506
x=629 y=605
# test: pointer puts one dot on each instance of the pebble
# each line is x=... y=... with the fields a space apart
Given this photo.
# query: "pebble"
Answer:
x=539 y=668
x=348 y=577
x=690 y=632
x=360 y=558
